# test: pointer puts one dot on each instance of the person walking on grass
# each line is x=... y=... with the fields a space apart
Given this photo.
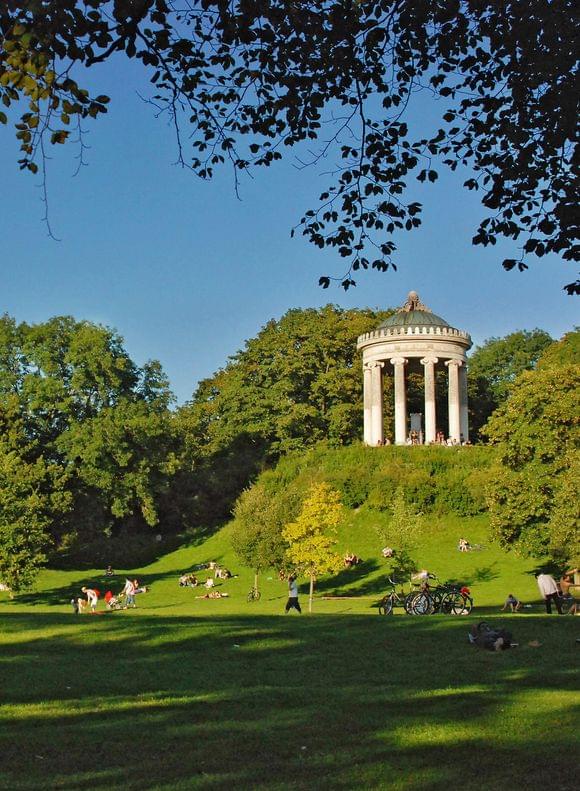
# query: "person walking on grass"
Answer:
x=129 y=592
x=549 y=591
x=292 y=602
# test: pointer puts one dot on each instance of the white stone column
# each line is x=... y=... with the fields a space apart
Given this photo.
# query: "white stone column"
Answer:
x=463 y=405
x=430 y=413
x=367 y=400
x=453 y=398
x=376 y=402
x=400 y=401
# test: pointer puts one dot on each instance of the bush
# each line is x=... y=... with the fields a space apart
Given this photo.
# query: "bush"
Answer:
x=432 y=479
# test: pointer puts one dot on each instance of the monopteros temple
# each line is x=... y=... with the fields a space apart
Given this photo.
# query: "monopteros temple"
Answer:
x=415 y=338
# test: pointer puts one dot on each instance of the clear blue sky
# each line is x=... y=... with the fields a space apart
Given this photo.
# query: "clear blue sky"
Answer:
x=186 y=272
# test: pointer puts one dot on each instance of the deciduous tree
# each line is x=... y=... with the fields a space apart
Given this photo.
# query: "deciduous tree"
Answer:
x=254 y=80
x=311 y=537
x=297 y=382
x=33 y=494
x=495 y=365
x=533 y=494
x=259 y=518
x=83 y=409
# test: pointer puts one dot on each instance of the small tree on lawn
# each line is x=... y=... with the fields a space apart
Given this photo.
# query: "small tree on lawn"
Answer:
x=257 y=530
x=402 y=533
x=311 y=537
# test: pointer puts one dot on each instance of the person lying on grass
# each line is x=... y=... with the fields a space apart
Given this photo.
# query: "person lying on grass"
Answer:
x=213 y=595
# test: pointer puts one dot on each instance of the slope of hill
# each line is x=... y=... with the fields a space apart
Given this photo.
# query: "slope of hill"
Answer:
x=491 y=573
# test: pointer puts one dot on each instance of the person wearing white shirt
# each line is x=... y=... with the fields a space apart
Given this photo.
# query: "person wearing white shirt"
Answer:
x=549 y=590
x=292 y=602
x=129 y=591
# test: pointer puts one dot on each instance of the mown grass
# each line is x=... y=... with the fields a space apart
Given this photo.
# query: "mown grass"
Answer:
x=187 y=693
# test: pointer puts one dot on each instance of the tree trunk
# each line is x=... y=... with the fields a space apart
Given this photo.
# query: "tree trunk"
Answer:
x=256 y=580
x=311 y=593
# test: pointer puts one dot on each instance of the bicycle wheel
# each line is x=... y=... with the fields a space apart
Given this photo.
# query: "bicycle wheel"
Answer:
x=467 y=605
x=437 y=597
x=423 y=604
x=454 y=603
x=565 y=604
x=408 y=603
x=386 y=605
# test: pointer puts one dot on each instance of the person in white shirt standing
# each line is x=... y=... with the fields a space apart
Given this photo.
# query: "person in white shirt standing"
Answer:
x=292 y=602
x=549 y=590
x=129 y=592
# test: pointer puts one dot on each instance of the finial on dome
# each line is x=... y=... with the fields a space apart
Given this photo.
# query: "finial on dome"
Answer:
x=413 y=303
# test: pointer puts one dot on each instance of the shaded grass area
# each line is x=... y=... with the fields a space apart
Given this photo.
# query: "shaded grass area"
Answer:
x=274 y=702
x=186 y=693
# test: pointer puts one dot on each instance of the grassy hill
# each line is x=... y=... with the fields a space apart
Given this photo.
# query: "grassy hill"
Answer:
x=491 y=573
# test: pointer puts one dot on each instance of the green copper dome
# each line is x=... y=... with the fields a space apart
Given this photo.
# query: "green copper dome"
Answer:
x=414 y=318
x=414 y=314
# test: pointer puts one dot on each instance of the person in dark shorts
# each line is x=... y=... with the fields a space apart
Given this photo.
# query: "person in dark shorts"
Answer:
x=292 y=602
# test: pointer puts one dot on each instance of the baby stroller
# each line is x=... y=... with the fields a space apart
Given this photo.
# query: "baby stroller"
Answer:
x=115 y=602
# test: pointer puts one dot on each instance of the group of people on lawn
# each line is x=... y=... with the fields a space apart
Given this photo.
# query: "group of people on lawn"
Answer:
x=123 y=600
x=552 y=593
x=190 y=580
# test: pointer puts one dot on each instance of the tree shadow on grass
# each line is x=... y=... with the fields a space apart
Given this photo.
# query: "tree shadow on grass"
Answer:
x=355 y=581
x=63 y=594
x=269 y=703
x=479 y=574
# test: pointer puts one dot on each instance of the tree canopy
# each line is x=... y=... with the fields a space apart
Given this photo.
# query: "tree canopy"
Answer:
x=533 y=495
x=247 y=81
x=494 y=367
x=88 y=442
x=259 y=518
x=311 y=536
x=297 y=382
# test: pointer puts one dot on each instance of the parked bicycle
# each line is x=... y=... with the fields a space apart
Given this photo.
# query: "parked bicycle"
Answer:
x=398 y=598
x=448 y=598
x=254 y=595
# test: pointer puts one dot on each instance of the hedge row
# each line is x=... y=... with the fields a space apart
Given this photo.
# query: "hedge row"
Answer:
x=434 y=479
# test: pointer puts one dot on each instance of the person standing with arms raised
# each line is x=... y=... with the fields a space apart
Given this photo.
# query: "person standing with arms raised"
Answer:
x=292 y=602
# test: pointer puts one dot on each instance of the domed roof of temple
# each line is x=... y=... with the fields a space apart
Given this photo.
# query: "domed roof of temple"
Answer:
x=414 y=314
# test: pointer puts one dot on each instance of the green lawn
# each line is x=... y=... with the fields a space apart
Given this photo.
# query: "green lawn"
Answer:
x=185 y=693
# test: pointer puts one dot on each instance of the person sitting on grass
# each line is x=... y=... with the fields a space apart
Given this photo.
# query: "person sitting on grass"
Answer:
x=463 y=545
x=387 y=552
x=422 y=577
x=567 y=582
x=350 y=559
x=512 y=604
